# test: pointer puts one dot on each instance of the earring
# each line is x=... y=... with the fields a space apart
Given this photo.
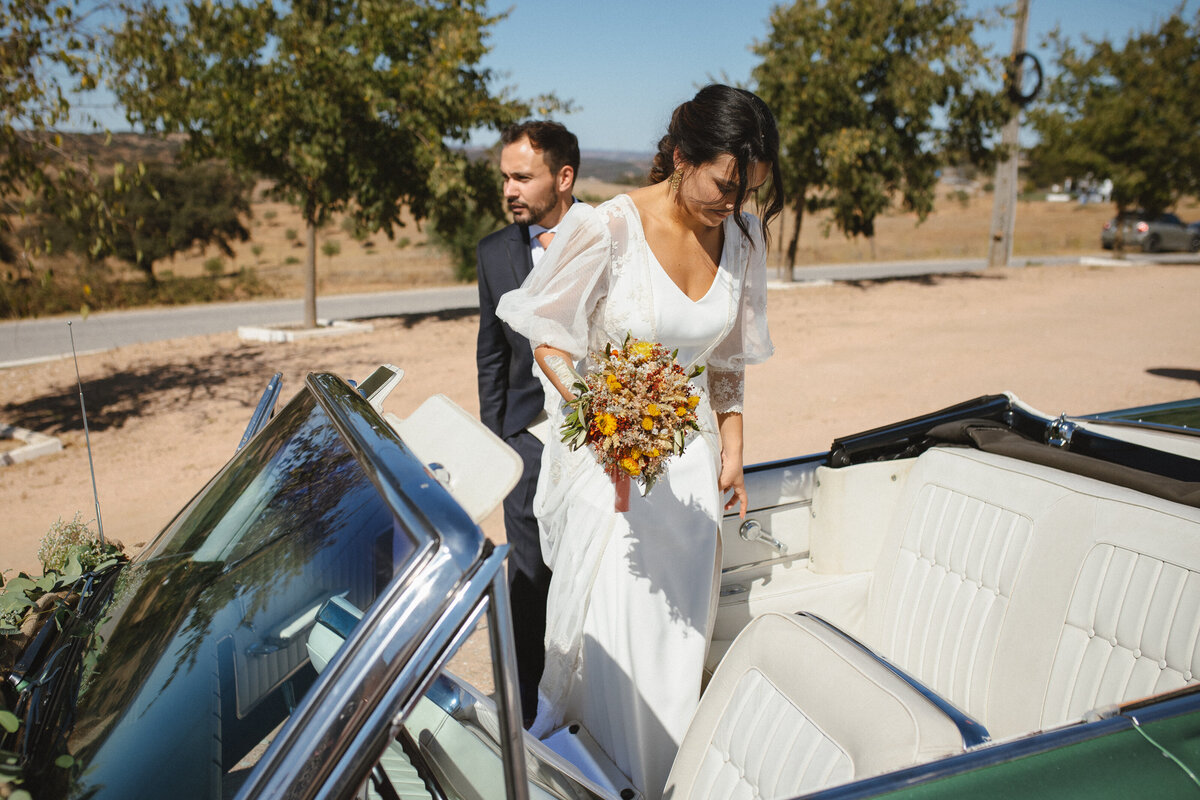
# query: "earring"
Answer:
x=676 y=178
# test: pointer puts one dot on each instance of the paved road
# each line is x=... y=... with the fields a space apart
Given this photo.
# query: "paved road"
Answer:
x=29 y=341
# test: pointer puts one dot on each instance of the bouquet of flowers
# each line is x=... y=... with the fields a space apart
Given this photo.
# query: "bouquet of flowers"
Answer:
x=634 y=408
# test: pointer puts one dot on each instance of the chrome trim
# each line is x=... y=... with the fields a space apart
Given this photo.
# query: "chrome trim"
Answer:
x=264 y=410
x=331 y=741
x=1182 y=701
x=766 y=562
x=504 y=677
x=973 y=734
x=752 y=531
x=396 y=471
x=1060 y=432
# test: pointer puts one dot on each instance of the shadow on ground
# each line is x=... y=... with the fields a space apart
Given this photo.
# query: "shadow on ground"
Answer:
x=115 y=398
x=412 y=320
x=237 y=375
x=935 y=279
x=1176 y=373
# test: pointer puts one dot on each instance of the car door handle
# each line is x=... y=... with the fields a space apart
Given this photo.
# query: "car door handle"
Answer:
x=752 y=531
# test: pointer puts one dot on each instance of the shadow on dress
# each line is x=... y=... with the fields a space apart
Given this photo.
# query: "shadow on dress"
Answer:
x=614 y=704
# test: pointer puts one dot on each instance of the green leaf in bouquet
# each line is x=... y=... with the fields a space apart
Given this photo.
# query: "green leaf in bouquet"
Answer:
x=697 y=371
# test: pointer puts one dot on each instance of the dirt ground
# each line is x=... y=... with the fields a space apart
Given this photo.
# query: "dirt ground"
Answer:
x=164 y=417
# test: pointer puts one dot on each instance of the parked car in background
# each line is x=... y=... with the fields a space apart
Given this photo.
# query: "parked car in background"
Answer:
x=1151 y=234
x=983 y=601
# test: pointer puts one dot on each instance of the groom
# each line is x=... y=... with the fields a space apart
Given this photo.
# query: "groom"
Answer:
x=538 y=161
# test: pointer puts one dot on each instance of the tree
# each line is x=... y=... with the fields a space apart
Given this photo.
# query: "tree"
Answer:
x=346 y=105
x=47 y=50
x=172 y=209
x=858 y=87
x=1127 y=113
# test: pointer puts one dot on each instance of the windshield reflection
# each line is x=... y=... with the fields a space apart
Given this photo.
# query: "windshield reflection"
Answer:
x=206 y=632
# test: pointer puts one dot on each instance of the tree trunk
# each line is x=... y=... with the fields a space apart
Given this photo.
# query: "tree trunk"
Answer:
x=792 y=245
x=310 y=275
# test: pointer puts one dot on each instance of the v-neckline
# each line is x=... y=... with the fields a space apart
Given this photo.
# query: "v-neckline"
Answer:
x=658 y=264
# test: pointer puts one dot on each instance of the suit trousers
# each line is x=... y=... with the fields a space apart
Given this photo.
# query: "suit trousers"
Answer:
x=528 y=575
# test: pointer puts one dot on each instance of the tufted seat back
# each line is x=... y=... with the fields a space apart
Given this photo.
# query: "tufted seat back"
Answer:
x=1026 y=595
x=794 y=707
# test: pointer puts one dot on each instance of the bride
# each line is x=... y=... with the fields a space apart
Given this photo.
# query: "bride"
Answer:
x=633 y=593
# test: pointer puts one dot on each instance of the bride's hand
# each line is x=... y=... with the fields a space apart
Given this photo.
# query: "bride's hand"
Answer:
x=732 y=477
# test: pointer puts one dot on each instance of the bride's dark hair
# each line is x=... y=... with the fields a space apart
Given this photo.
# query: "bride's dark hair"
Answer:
x=722 y=119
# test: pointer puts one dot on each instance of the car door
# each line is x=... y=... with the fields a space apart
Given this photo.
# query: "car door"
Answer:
x=759 y=553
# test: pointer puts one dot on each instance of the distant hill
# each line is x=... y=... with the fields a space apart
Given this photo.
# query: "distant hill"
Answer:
x=613 y=166
x=607 y=166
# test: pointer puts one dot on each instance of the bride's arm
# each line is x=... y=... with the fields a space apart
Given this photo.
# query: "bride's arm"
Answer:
x=555 y=363
x=729 y=423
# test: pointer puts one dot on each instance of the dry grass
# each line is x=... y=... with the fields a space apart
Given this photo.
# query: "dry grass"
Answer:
x=958 y=228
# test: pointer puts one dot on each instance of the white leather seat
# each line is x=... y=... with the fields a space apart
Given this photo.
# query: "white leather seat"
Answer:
x=795 y=707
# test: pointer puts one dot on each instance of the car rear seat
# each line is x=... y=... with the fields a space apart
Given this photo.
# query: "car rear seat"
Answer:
x=1021 y=594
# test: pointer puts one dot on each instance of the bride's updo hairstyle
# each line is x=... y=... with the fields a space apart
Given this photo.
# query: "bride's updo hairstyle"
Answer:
x=721 y=119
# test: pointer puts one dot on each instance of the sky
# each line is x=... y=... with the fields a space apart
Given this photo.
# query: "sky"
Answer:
x=628 y=63
x=625 y=64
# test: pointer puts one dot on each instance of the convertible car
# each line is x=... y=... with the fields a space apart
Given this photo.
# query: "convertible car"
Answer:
x=984 y=600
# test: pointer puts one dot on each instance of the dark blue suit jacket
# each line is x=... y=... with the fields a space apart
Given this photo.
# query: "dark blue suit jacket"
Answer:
x=509 y=395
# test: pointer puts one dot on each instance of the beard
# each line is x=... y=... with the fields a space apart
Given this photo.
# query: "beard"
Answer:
x=533 y=211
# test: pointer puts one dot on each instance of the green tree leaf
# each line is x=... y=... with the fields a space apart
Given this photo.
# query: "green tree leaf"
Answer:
x=871 y=96
x=1126 y=112
x=345 y=105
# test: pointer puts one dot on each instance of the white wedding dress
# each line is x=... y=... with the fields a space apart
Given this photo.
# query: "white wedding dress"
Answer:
x=633 y=594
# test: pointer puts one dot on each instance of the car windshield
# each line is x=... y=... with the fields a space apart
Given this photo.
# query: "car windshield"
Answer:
x=201 y=653
x=1182 y=415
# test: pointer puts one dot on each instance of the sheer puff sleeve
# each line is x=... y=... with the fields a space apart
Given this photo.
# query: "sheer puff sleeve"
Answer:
x=555 y=302
x=748 y=341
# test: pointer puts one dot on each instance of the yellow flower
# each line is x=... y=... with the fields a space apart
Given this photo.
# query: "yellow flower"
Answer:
x=613 y=383
x=653 y=410
x=631 y=466
x=681 y=411
x=693 y=400
x=606 y=424
x=647 y=424
x=653 y=452
x=643 y=349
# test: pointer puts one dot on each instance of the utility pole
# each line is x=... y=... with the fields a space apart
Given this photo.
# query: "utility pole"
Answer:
x=1004 y=196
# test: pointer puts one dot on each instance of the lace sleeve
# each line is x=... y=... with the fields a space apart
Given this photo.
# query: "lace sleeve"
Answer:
x=725 y=390
x=554 y=303
x=749 y=340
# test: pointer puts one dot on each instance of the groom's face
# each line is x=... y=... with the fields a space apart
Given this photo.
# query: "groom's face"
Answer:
x=531 y=190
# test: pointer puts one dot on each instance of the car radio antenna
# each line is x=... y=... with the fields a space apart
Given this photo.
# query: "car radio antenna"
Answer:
x=87 y=436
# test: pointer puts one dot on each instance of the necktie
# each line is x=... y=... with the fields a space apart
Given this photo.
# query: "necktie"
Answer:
x=545 y=237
